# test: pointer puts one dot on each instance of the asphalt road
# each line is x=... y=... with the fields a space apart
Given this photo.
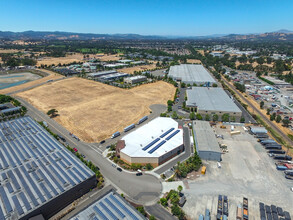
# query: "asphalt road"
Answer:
x=156 y=210
x=248 y=118
x=145 y=189
x=267 y=121
x=186 y=154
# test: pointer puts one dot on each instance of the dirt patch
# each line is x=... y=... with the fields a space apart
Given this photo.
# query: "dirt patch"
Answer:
x=193 y=61
x=10 y=51
x=51 y=76
x=130 y=70
x=78 y=57
x=107 y=57
x=92 y=110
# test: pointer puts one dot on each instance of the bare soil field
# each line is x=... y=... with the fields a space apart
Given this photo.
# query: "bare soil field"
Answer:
x=92 y=110
x=130 y=70
x=51 y=76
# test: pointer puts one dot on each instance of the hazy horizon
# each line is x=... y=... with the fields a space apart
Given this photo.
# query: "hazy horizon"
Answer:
x=164 y=18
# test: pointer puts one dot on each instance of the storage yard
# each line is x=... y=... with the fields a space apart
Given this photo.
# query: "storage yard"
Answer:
x=38 y=174
x=246 y=171
x=94 y=111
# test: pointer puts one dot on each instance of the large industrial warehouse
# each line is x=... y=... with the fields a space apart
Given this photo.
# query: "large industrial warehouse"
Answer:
x=211 y=101
x=110 y=206
x=206 y=143
x=154 y=143
x=191 y=73
x=38 y=174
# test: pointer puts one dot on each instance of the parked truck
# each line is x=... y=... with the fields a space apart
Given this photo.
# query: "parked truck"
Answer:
x=245 y=208
x=220 y=205
x=282 y=157
x=128 y=128
x=239 y=212
x=273 y=147
x=225 y=206
x=116 y=134
x=276 y=152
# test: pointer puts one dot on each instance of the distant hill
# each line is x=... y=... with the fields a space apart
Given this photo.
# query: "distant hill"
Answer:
x=280 y=35
x=57 y=35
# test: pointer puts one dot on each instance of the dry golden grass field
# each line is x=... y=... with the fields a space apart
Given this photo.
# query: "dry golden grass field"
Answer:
x=10 y=51
x=106 y=57
x=130 y=70
x=51 y=76
x=193 y=61
x=92 y=110
x=78 y=57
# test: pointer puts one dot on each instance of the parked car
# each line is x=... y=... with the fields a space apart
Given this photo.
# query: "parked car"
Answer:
x=119 y=169
x=75 y=150
x=103 y=141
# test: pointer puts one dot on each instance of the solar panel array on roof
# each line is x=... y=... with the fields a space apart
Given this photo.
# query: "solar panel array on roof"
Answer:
x=32 y=168
x=111 y=206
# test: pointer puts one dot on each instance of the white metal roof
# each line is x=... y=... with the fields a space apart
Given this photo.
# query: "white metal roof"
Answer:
x=210 y=99
x=191 y=73
x=141 y=137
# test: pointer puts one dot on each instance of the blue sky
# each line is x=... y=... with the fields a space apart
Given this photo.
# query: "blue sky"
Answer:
x=148 y=17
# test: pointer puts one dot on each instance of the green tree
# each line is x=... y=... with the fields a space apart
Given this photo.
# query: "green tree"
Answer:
x=141 y=210
x=268 y=111
x=225 y=117
x=215 y=85
x=179 y=188
x=183 y=85
x=207 y=117
x=52 y=112
x=261 y=104
x=174 y=115
x=152 y=217
x=242 y=120
x=149 y=166
x=198 y=116
x=286 y=122
x=192 y=115
x=164 y=202
x=278 y=119
x=215 y=117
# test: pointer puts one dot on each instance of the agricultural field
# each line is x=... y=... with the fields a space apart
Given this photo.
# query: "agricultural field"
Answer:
x=92 y=110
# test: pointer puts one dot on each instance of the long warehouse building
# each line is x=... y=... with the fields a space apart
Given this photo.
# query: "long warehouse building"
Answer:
x=206 y=142
x=156 y=142
x=191 y=73
x=37 y=174
x=212 y=101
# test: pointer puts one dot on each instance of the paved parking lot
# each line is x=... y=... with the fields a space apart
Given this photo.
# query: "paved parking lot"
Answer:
x=247 y=171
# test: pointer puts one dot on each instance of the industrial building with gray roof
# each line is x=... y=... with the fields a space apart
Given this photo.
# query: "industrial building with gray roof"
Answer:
x=206 y=142
x=211 y=101
x=111 y=206
x=37 y=174
x=191 y=73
